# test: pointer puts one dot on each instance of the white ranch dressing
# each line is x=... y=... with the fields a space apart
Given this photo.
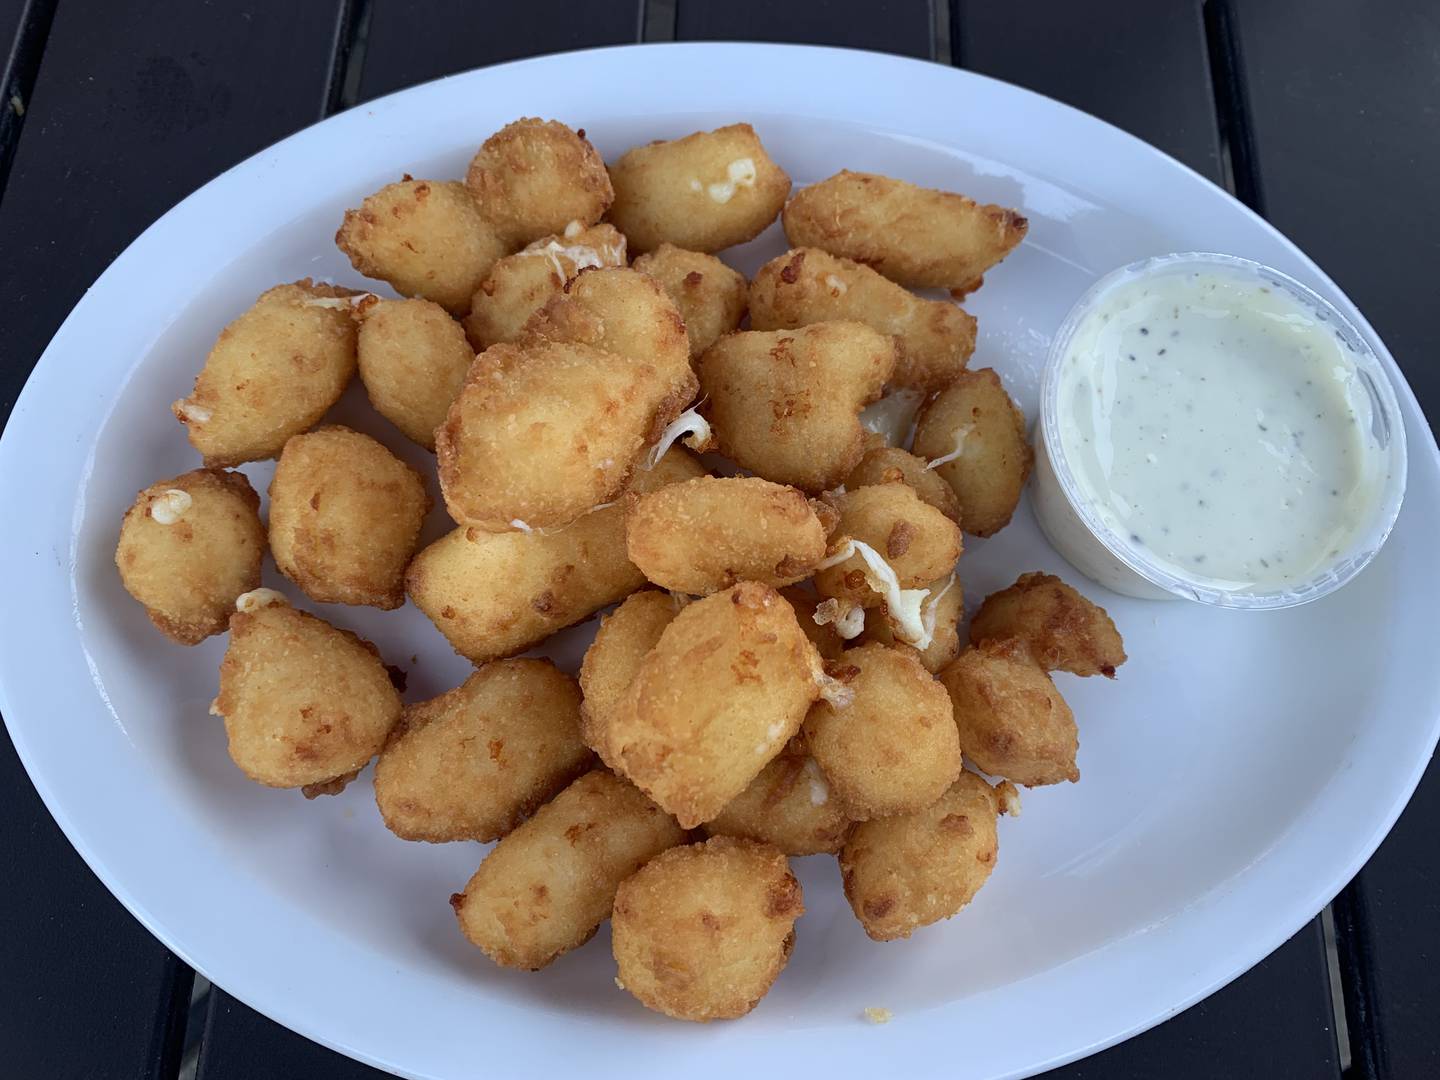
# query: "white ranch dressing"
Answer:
x=1220 y=426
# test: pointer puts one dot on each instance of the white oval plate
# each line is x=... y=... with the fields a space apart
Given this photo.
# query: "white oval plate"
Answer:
x=1236 y=775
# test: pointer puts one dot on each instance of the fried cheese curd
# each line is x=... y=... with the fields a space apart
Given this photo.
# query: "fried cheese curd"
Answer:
x=712 y=532
x=189 y=546
x=271 y=374
x=918 y=237
x=973 y=435
x=790 y=805
x=305 y=704
x=624 y=639
x=702 y=932
x=1011 y=718
x=786 y=404
x=940 y=613
x=518 y=285
x=625 y=312
x=707 y=191
x=548 y=885
x=918 y=542
x=722 y=691
x=890 y=464
x=710 y=296
x=534 y=177
x=426 y=238
x=806 y=285
x=497 y=594
x=412 y=357
x=543 y=433
x=1065 y=631
x=345 y=517
x=476 y=761
x=892 y=748
x=911 y=870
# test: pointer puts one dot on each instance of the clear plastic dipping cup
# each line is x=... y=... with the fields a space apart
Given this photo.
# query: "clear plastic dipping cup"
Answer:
x=1078 y=531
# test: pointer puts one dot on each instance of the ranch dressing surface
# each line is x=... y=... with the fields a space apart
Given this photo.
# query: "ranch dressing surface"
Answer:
x=1220 y=426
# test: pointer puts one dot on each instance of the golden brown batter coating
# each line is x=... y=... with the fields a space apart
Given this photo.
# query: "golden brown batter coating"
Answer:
x=542 y=433
x=271 y=374
x=790 y=805
x=941 y=611
x=890 y=464
x=707 y=191
x=919 y=237
x=624 y=639
x=786 y=404
x=711 y=296
x=426 y=238
x=722 y=691
x=702 y=932
x=1012 y=721
x=980 y=432
x=474 y=762
x=305 y=704
x=912 y=870
x=533 y=177
x=413 y=358
x=497 y=594
x=345 y=517
x=188 y=547
x=547 y=887
x=709 y=533
x=520 y=284
x=806 y=285
x=893 y=747
x=625 y=312
x=1065 y=631
x=919 y=542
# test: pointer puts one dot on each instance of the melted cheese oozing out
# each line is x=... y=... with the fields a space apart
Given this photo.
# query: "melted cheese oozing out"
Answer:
x=191 y=413
x=739 y=173
x=689 y=424
x=256 y=599
x=848 y=623
x=903 y=605
x=579 y=256
x=931 y=609
x=819 y=786
x=169 y=507
x=893 y=416
x=961 y=434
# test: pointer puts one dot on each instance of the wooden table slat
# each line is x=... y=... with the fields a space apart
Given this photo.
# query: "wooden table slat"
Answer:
x=85 y=992
x=412 y=41
x=1273 y=1022
x=1343 y=104
x=134 y=107
x=906 y=27
x=24 y=27
x=1139 y=64
x=239 y=1044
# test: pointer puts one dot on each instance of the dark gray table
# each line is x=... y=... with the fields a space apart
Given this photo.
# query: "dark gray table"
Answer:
x=1322 y=114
